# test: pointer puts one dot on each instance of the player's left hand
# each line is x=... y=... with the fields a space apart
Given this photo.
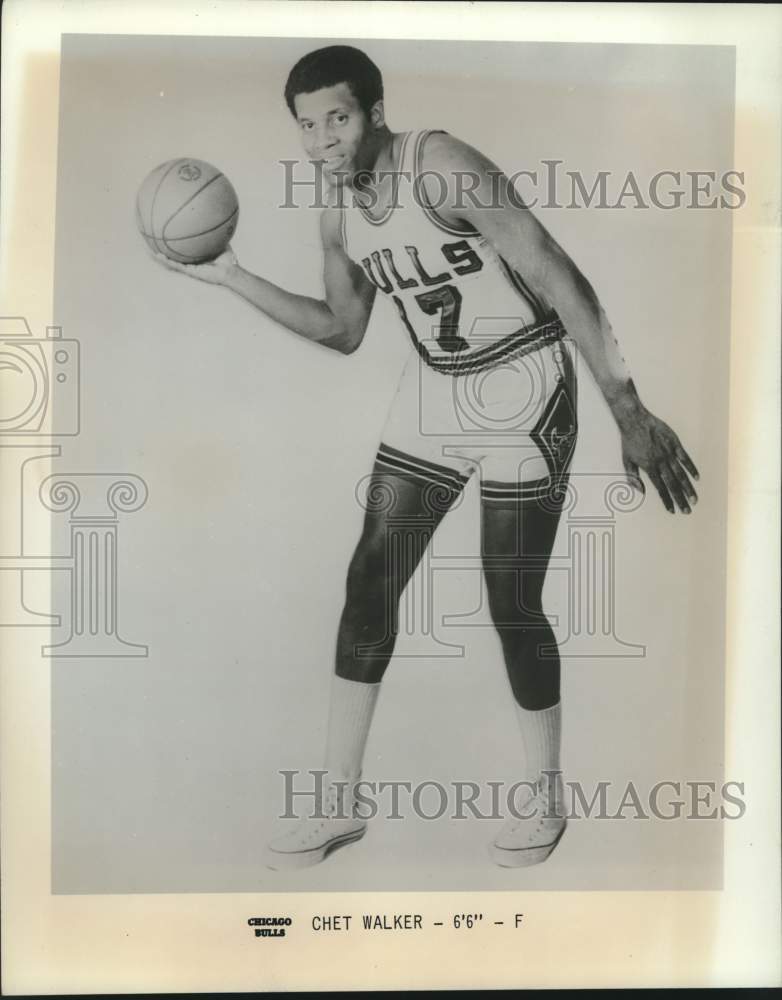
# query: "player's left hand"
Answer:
x=649 y=443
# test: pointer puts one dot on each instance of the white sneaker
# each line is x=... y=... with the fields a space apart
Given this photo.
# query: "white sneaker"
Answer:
x=313 y=838
x=523 y=842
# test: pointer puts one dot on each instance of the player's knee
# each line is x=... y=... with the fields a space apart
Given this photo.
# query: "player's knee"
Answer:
x=368 y=576
x=369 y=617
x=525 y=632
x=513 y=639
x=512 y=613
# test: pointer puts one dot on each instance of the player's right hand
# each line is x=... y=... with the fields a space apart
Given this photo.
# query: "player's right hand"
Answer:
x=215 y=272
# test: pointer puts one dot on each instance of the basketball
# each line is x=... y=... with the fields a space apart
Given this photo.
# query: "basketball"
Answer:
x=188 y=210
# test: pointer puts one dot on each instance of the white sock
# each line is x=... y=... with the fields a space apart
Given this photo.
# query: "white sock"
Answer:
x=541 y=734
x=350 y=716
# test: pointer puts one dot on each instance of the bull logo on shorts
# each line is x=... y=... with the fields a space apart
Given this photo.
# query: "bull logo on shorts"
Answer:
x=562 y=443
x=555 y=433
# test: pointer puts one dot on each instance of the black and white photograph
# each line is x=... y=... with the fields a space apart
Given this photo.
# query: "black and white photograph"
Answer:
x=369 y=478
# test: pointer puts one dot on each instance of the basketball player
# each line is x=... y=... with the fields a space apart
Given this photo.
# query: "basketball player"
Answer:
x=479 y=290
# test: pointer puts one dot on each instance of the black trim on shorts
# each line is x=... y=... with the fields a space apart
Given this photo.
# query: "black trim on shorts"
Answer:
x=419 y=469
x=549 y=492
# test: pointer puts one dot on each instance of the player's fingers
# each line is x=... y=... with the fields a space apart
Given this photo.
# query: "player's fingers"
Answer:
x=680 y=463
x=686 y=461
x=675 y=488
x=681 y=474
x=633 y=477
x=661 y=488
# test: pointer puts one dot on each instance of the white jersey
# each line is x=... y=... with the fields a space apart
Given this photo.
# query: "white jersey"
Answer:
x=464 y=308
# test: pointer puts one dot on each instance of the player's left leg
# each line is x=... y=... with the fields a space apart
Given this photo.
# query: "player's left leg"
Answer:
x=521 y=510
x=517 y=540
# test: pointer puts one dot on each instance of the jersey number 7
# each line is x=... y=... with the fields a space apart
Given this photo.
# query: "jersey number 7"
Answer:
x=447 y=301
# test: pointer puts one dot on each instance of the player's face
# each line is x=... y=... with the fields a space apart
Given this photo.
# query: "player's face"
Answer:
x=335 y=131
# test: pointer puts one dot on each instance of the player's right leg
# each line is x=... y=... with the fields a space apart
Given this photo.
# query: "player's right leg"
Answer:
x=403 y=510
x=406 y=498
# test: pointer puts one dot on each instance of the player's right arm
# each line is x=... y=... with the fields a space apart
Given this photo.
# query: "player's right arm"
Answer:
x=338 y=321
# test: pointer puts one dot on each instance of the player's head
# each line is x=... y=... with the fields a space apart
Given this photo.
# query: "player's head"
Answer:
x=332 y=65
x=336 y=96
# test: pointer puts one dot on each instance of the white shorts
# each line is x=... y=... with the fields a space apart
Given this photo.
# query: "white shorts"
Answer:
x=516 y=423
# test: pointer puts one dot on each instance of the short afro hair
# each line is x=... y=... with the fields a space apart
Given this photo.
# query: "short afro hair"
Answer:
x=332 y=65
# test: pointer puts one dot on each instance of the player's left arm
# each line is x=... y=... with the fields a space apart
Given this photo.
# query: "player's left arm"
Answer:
x=518 y=236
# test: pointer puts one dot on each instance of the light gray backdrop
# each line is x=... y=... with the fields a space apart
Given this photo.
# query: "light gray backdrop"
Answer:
x=252 y=443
